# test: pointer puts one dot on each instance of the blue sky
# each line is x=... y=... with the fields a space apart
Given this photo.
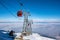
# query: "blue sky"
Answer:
x=39 y=9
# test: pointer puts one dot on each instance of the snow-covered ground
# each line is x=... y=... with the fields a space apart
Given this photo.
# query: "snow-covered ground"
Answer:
x=34 y=36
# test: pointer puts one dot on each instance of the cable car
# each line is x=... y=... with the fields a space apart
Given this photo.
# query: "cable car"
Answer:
x=19 y=13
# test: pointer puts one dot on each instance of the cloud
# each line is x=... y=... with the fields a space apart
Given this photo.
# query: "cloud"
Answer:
x=33 y=19
x=51 y=29
x=46 y=20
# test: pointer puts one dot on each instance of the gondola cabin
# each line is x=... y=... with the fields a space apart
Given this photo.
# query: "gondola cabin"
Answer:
x=19 y=13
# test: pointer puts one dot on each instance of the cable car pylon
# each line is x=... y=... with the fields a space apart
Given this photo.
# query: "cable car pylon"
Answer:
x=27 y=30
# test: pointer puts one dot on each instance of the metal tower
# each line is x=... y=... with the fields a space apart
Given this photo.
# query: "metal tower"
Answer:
x=27 y=30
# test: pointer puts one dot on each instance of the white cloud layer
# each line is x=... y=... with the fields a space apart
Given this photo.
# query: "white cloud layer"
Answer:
x=46 y=20
x=34 y=20
x=50 y=29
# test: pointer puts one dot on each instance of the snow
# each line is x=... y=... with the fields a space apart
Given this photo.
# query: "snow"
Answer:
x=57 y=37
x=34 y=36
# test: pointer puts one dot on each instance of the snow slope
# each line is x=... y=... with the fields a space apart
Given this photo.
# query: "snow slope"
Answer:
x=34 y=36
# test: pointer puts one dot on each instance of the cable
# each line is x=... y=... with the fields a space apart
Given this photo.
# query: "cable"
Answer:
x=7 y=9
x=20 y=3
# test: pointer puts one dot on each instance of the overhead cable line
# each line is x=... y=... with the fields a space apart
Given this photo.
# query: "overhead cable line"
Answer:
x=3 y=4
x=20 y=4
